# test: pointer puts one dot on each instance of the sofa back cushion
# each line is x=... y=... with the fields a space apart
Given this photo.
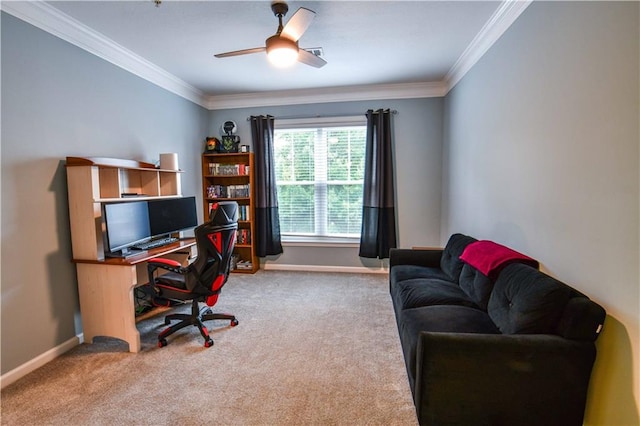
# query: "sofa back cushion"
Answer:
x=476 y=285
x=527 y=301
x=450 y=261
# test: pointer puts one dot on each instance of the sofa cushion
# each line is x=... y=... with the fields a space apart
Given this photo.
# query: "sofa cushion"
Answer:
x=450 y=261
x=406 y=272
x=427 y=292
x=440 y=318
x=525 y=300
x=476 y=285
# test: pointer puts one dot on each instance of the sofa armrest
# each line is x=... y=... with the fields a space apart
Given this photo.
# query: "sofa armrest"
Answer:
x=501 y=379
x=418 y=257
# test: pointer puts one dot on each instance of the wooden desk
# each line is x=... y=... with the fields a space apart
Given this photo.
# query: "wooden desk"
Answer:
x=106 y=291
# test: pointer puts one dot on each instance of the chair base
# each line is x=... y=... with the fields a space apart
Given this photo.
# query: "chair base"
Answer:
x=196 y=318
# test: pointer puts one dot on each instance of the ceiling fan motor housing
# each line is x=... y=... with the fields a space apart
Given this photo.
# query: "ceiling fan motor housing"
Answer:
x=278 y=42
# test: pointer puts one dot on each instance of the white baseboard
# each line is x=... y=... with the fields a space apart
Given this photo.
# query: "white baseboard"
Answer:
x=323 y=268
x=37 y=362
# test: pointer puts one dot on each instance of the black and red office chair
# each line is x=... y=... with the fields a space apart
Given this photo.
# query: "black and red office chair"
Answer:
x=203 y=279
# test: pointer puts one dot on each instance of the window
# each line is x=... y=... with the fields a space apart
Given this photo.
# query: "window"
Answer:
x=319 y=175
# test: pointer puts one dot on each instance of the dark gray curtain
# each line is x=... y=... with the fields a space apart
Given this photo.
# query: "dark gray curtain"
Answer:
x=378 y=205
x=267 y=238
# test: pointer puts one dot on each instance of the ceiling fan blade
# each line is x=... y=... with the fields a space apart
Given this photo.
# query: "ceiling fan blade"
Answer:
x=240 y=52
x=298 y=24
x=310 y=59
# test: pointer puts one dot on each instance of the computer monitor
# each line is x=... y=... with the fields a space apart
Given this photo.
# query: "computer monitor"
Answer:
x=171 y=215
x=126 y=224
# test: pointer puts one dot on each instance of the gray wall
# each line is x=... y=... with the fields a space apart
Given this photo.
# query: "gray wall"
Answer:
x=58 y=101
x=418 y=153
x=541 y=153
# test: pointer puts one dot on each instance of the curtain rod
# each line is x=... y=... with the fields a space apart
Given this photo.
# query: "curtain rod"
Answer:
x=295 y=117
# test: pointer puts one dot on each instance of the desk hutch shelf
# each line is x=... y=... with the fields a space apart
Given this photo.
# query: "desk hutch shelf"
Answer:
x=94 y=180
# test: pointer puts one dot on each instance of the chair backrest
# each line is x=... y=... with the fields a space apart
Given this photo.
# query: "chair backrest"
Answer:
x=215 y=241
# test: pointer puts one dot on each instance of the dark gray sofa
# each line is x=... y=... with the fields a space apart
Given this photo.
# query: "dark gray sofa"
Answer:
x=506 y=346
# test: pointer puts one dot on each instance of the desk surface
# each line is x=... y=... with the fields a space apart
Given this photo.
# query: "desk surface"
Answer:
x=143 y=255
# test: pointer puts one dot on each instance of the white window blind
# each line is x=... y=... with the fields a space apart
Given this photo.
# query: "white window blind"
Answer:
x=319 y=176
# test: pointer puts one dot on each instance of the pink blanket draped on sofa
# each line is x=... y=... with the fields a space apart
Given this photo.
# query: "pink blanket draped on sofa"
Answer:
x=488 y=257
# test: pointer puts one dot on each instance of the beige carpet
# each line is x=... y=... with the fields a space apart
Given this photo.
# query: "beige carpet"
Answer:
x=310 y=349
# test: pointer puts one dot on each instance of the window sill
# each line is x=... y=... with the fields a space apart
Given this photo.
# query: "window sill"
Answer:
x=289 y=241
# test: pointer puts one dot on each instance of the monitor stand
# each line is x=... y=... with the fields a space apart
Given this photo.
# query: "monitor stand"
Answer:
x=123 y=254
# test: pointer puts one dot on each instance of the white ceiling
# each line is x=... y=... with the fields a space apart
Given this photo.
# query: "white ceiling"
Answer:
x=364 y=42
x=374 y=48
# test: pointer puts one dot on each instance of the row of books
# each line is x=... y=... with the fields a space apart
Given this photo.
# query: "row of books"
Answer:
x=218 y=169
x=244 y=211
x=244 y=264
x=228 y=191
x=243 y=236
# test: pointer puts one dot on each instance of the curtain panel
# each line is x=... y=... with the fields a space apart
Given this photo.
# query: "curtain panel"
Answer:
x=378 y=203
x=267 y=238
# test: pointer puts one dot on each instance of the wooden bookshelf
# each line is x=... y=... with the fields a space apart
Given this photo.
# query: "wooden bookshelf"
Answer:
x=230 y=177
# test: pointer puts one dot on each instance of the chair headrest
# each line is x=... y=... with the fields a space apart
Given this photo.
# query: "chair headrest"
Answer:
x=223 y=213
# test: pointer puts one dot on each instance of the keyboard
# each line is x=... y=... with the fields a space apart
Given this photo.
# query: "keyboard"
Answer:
x=155 y=243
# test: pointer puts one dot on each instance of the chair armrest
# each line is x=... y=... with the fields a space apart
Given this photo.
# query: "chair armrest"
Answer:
x=508 y=379
x=162 y=263
x=418 y=257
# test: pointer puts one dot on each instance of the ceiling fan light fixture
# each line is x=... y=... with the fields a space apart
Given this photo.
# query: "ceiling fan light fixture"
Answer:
x=282 y=48
x=281 y=51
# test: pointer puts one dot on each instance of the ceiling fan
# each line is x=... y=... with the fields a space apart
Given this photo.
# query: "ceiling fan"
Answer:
x=282 y=47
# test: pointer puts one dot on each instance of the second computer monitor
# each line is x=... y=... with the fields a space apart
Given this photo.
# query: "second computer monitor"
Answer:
x=171 y=215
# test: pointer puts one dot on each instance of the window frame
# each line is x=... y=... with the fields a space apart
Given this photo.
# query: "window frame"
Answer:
x=309 y=123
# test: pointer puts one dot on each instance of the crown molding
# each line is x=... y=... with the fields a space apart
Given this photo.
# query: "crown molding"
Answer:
x=51 y=20
x=497 y=25
x=331 y=94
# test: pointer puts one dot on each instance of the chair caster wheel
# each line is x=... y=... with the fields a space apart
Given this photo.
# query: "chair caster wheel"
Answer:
x=162 y=343
x=208 y=343
x=234 y=322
